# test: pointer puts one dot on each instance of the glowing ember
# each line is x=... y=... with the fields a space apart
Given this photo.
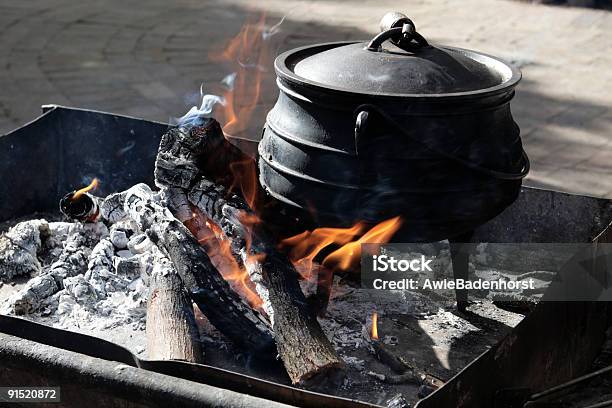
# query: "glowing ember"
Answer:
x=305 y=247
x=374 y=326
x=92 y=186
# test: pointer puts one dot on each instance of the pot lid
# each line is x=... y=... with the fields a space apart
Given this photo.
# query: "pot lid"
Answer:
x=397 y=61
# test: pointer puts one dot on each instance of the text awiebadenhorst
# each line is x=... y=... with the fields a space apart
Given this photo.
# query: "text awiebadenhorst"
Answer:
x=390 y=273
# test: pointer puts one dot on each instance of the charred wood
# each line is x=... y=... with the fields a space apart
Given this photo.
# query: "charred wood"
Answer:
x=207 y=288
x=186 y=154
x=405 y=373
x=84 y=208
x=302 y=345
x=196 y=163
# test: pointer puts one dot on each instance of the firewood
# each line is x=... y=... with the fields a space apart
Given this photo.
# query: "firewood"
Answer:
x=184 y=155
x=406 y=373
x=407 y=377
x=207 y=288
x=302 y=345
x=201 y=157
x=172 y=333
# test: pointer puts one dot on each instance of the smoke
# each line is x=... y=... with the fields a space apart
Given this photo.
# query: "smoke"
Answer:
x=245 y=50
x=199 y=115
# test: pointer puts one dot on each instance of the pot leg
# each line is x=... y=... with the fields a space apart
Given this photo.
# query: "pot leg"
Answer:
x=460 y=256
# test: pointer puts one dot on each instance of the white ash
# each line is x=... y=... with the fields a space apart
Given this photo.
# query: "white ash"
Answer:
x=85 y=276
x=350 y=312
x=354 y=362
x=390 y=340
x=139 y=244
x=111 y=208
x=121 y=232
x=445 y=327
x=119 y=238
x=74 y=245
x=30 y=298
x=100 y=270
x=135 y=266
x=19 y=248
x=398 y=401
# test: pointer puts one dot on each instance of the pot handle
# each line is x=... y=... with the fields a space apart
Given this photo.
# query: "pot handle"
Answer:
x=361 y=123
x=364 y=111
x=400 y=30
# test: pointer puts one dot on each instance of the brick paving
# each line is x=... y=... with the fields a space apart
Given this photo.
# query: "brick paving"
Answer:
x=148 y=59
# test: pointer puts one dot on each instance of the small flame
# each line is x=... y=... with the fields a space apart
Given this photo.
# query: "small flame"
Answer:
x=305 y=247
x=374 y=334
x=92 y=186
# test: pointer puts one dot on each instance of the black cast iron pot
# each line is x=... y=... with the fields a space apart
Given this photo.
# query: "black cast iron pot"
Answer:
x=367 y=131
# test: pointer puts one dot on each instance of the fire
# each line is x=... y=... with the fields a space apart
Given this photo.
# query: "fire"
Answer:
x=249 y=54
x=374 y=334
x=305 y=247
x=211 y=237
x=92 y=186
x=244 y=176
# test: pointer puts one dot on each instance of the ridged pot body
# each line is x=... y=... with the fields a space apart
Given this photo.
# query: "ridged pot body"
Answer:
x=423 y=158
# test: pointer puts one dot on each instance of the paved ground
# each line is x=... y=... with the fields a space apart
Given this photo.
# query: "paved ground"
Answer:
x=148 y=59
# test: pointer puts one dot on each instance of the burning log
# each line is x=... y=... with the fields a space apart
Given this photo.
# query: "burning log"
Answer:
x=302 y=345
x=183 y=158
x=207 y=288
x=171 y=328
x=18 y=249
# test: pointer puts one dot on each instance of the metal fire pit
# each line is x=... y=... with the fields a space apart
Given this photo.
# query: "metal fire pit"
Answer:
x=52 y=155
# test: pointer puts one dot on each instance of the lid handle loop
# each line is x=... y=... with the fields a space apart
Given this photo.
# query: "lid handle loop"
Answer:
x=400 y=30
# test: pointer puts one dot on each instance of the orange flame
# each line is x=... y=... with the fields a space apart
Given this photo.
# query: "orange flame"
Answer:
x=374 y=326
x=211 y=237
x=249 y=54
x=92 y=186
x=349 y=256
x=305 y=247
